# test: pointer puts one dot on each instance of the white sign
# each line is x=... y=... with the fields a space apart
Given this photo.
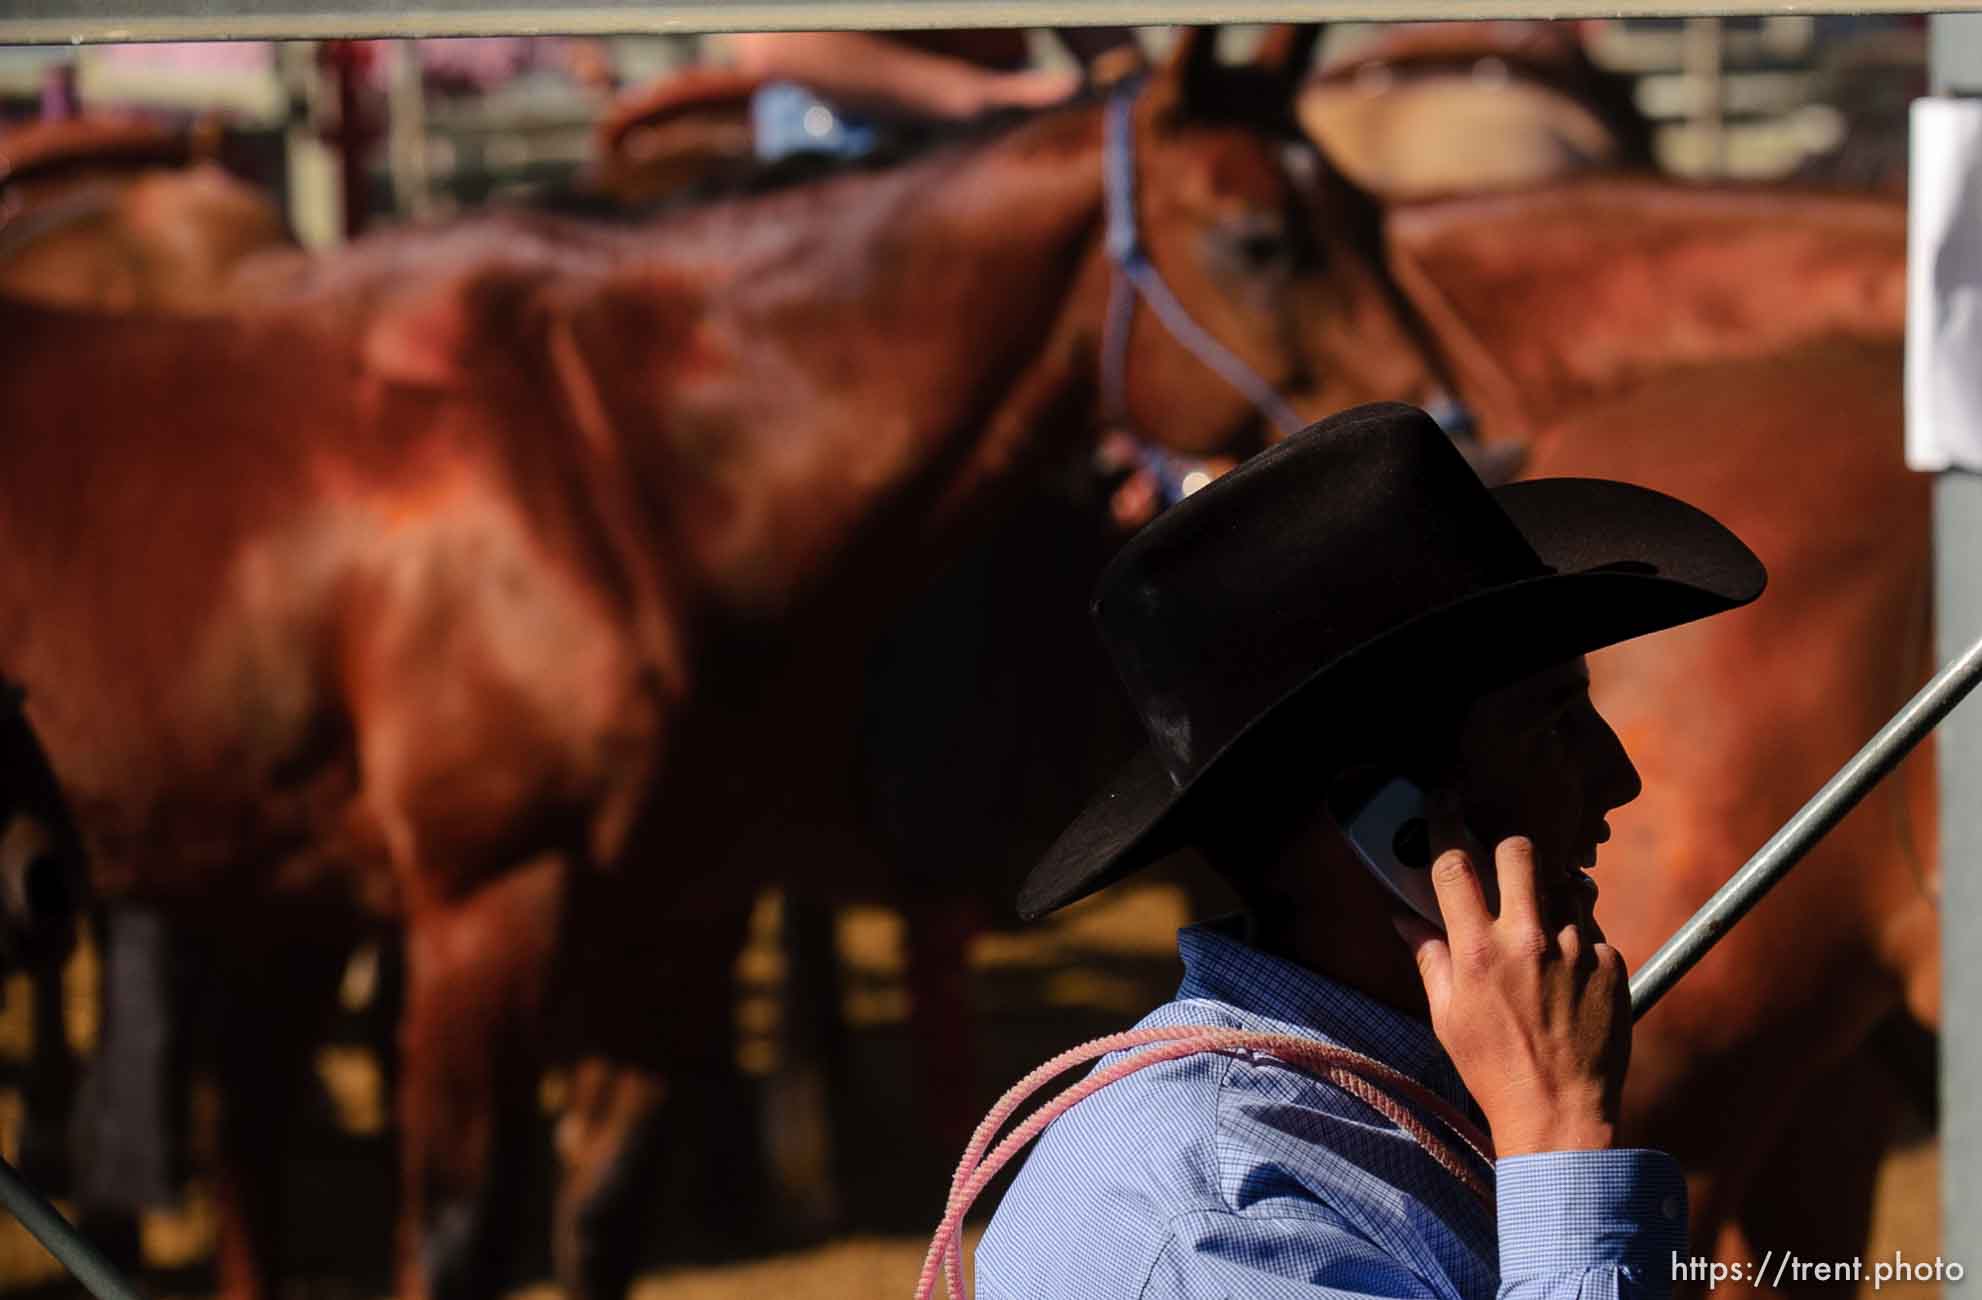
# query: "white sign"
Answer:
x=1944 y=286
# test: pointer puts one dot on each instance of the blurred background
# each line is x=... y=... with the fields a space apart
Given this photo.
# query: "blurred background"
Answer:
x=343 y=138
x=427 y=128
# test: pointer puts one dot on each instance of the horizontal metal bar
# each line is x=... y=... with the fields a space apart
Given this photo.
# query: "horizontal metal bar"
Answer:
x=1800 y=833
x=50 y=22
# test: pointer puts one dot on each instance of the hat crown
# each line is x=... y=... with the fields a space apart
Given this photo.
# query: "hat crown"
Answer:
x=1241 y=592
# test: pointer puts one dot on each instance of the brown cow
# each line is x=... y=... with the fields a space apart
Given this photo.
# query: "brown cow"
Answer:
x=123 y=216
x=473 y=568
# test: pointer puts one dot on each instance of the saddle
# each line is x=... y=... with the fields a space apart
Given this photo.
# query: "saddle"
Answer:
x=685 y=132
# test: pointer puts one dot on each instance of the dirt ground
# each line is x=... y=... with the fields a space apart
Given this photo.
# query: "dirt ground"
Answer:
x=1093 y=971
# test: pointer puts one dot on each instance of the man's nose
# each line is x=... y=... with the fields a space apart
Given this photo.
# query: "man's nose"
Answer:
x=1619 y=782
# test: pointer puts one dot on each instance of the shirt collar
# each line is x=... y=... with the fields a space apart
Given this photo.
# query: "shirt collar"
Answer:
x=1221 y=966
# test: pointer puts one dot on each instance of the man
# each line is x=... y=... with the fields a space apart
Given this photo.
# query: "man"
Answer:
x=852 y=93
x=1350 y=607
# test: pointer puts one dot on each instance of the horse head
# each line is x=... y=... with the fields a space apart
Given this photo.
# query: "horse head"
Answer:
x=41 y=858
x=1247 y=280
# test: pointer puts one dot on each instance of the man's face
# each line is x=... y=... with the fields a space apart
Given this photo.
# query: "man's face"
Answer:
x=1537 y=759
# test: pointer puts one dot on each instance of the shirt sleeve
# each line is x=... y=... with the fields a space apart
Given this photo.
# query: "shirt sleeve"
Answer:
x=1210 y=1253
x=1589 y=1225
x=1573 y=1225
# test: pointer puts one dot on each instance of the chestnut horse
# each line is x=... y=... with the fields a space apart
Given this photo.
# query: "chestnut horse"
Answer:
x=1739 y=348
x=117 y=214
x=122 y=215
x=517 y=582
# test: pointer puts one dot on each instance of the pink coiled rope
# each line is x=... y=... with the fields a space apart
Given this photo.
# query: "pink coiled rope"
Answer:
x=1361 y=1076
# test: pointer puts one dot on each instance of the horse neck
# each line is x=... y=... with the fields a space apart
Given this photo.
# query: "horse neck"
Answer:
x=855 y=363
x=1364 y=341
x=1544 y=302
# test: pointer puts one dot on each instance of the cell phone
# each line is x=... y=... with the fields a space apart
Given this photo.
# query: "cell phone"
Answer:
x=1390 y=831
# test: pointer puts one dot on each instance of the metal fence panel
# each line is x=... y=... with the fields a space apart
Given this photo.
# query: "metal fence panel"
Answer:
x=25 y=22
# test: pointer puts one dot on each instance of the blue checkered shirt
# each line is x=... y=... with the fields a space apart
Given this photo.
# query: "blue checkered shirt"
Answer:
x=1221 y=1174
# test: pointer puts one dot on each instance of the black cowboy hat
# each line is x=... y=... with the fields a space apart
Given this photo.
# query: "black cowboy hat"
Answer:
x=1357 y=558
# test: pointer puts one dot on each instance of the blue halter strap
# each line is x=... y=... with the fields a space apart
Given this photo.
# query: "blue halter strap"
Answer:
x=1136 y=278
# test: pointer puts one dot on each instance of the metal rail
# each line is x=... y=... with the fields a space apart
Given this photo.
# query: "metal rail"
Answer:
x=73 y=1250
x=66 y=22
x=1800 y=833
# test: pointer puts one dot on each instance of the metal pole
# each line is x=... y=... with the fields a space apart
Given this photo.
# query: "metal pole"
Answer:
x=97 y=1274
x=1954 y=57
x=1704 y=60
x=1800 y=833
x=406 y=132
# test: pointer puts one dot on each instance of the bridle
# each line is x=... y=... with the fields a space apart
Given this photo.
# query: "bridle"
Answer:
x=1133 y=279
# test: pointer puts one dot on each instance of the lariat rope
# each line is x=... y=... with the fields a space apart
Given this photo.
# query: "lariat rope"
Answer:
x=1373 y=1083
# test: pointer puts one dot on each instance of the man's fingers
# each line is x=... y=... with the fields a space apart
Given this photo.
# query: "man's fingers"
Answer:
x=1447 y=824
x=1586 y=916
x=1520 y=896
x=1461 y=901
x=1574 y=945
x=1434 y=959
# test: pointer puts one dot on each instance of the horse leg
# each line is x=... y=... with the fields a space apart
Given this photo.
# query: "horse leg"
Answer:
x=611 y=1144
x=48 y=1097
x=1812 y=1199
x=273 y=1002
x=941 y=1020
x=814 y=1085
x=476 y=970
x=659 y=1092
x=132 y=1117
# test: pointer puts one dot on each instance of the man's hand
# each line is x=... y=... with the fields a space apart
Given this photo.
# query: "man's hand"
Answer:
x=1536 y=1019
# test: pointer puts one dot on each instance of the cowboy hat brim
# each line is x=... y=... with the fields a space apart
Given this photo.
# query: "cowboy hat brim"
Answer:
x=1622 y=561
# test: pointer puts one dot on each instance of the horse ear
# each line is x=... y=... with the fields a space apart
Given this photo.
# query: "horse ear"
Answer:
x=1287 y=51
x=1191 y=70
